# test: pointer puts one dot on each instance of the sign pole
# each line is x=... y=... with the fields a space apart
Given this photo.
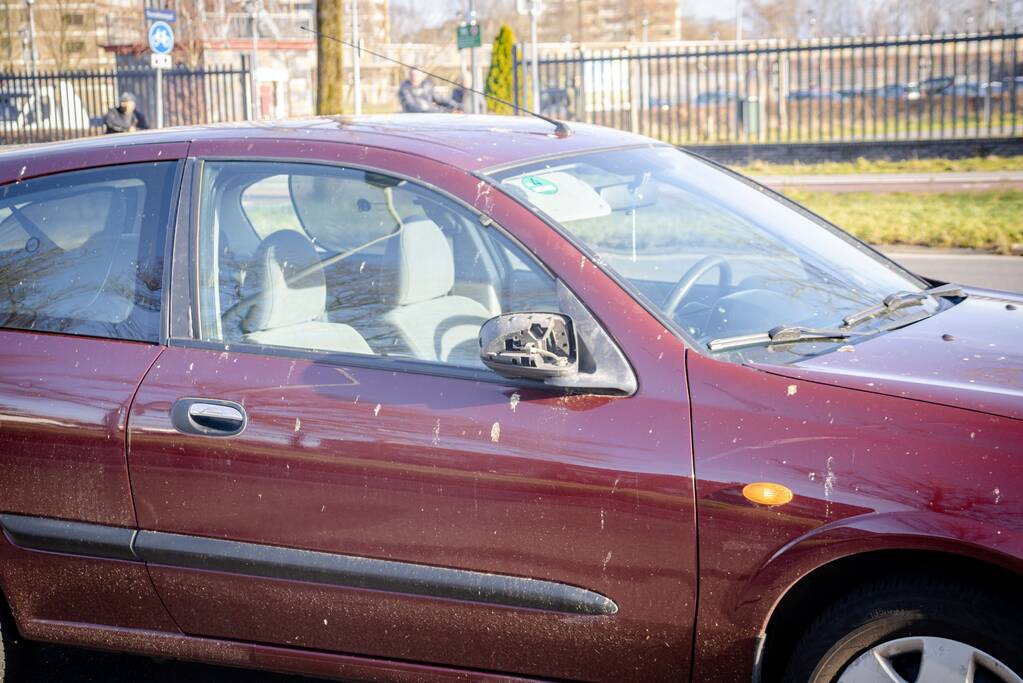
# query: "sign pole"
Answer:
x=161 y=44
x=159 y=98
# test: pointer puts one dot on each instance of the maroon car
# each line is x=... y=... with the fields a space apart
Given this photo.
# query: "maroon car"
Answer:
x=467 y=398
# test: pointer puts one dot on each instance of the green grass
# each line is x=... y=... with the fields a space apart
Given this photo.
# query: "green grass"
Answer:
x=861 y=165
x=979 y=220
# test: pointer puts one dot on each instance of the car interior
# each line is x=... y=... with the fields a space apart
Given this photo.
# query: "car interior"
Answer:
x=348 y=261
x=87 y=224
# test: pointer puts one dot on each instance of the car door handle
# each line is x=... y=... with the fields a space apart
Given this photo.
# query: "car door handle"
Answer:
x=208 y=417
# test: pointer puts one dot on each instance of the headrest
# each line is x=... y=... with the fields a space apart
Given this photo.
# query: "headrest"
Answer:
x=281 y=302
x=421 y=259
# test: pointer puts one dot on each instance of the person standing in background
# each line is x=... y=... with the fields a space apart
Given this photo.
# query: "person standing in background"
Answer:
x=416 y=95
x=124 y=118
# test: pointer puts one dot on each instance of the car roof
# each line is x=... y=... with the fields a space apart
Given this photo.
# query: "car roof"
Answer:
x=469 y=142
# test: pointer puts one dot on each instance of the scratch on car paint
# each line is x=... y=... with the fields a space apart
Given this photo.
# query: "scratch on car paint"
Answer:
x=514 y=401
x=436 y=432
x=601 y=519
x=603 y=565
x=298 y=424
x=792 y=389
x=376 y=411
x=998 y=495
x=495 y=432
x=829 y=485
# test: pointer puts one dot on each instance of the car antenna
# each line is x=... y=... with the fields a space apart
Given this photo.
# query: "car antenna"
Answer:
x=561 y=128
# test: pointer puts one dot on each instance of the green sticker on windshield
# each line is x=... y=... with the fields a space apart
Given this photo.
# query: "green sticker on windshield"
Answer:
x=539 y=185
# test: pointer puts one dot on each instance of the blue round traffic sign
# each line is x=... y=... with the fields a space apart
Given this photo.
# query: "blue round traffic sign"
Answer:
x=161 y=37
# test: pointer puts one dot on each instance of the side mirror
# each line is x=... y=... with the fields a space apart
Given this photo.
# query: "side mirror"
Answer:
x=530 y=345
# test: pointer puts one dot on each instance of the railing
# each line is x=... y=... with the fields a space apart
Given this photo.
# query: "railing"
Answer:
x=63 y=105
x=930 y=87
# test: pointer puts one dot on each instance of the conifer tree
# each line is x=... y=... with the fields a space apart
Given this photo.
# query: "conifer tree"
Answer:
x=499 y=78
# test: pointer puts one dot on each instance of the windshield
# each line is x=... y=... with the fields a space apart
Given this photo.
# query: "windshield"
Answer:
x=715 y=255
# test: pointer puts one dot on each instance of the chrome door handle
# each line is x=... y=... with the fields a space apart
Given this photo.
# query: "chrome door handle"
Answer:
x=208 y=417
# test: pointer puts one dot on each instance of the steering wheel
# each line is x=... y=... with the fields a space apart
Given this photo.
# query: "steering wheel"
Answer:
x=690 y=278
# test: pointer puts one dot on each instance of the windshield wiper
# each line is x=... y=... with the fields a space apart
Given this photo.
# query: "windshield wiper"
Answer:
x=786 y=334
x=783 y=334
x=894 y=302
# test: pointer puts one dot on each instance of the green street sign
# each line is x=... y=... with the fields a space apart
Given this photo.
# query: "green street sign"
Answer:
x=469 y=35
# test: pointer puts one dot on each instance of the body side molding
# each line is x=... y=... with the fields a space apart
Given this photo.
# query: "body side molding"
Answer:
x=275 y=562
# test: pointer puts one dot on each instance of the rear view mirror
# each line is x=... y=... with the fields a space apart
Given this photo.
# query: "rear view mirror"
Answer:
x=530 y=345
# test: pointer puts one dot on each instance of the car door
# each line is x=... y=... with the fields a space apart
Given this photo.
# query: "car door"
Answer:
x=82 y=242
x=319 y=460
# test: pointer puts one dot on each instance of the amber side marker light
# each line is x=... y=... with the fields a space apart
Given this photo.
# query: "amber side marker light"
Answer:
x=767 y=493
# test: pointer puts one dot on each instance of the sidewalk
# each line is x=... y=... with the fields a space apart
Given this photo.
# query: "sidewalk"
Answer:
x=898 y=182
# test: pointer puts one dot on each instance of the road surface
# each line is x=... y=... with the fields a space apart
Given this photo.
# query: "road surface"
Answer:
x=962 y=266
x=898 y=182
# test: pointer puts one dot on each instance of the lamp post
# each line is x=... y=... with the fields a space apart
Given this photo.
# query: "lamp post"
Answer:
x=356 y=65
x=32 y=54
x=738 y=21
x=253 y=7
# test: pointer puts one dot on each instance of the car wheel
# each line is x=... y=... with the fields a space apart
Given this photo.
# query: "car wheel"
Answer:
x=15 y=651
x=912 y=631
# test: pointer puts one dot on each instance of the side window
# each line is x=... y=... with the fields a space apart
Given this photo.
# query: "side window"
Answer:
x=82 y=252
x=345 y=260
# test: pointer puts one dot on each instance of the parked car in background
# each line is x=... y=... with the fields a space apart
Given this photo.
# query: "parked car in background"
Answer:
x=713 y=97
x=813 y=94
x=41 y=113
x=440 y=398
x=936 y=85
x=907 y=92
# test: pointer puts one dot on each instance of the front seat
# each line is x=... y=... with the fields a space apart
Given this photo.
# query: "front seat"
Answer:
x=292 y=313
x=431 y=322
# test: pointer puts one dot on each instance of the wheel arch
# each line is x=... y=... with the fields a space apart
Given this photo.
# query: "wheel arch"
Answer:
x=813 y=592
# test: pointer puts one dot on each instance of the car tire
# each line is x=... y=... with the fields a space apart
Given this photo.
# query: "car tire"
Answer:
x=15 y=651
x=899 y=625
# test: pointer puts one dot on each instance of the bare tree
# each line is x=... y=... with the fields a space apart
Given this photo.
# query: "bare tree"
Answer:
x=778 y=18
x=65 y=31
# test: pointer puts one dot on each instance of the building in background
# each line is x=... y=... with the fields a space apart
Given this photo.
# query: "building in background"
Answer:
x=105 y=34
x=610 y=21
x=69 y=34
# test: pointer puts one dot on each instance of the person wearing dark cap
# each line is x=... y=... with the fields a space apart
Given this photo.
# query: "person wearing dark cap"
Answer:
x=125 y=118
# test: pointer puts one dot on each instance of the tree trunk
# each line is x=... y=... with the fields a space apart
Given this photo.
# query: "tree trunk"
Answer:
x=328 y=57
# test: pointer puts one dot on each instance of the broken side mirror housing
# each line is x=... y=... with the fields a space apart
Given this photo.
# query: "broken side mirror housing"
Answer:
x=530 y=345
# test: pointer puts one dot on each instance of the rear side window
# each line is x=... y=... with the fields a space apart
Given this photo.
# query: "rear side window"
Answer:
x=82 y=252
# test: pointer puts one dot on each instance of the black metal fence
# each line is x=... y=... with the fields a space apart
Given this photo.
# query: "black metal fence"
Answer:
x=934 y=87
x=63 y=105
